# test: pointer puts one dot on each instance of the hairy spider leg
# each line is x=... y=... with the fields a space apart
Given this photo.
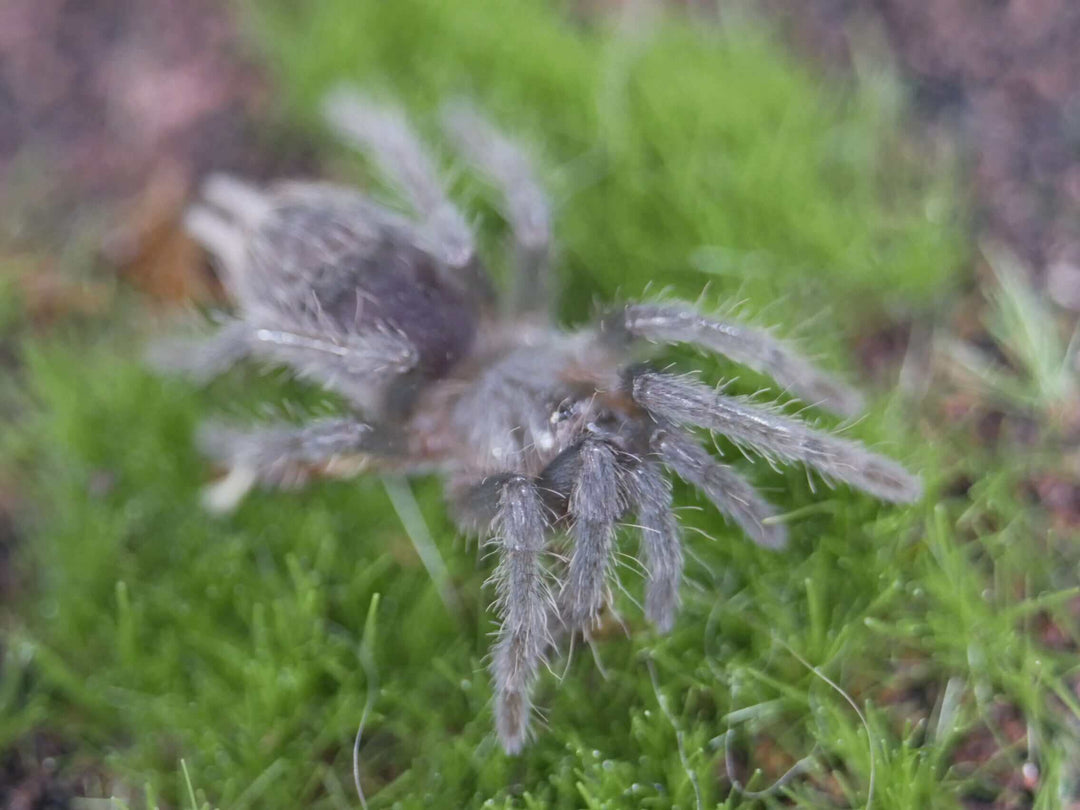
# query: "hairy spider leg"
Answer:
x=514 y=512
x=383 y=132
x=595 y=505
x=283 y=455
x=650 y=495
x=202 y=359
x=779 y=438
x=222 y=234
x=221 y=237
x=524 y=204
x=728 y=491
x=750 y=346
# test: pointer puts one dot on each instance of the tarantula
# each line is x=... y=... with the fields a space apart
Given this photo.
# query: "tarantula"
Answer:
x=539 y=433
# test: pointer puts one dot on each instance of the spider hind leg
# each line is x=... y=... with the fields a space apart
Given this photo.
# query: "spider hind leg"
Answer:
x=202 y=359
x=383 y=132
x=283 y=455
x=524 y=204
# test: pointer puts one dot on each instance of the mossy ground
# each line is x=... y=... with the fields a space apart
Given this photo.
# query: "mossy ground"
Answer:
x=248 y=646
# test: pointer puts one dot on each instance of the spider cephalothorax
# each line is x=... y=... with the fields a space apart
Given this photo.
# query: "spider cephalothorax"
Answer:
x=539 y=433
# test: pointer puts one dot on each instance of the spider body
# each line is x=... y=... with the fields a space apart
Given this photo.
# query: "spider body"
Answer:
x=546 y=439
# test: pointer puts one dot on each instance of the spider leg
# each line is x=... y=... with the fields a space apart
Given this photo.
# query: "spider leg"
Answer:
x=687 y=402
x=650 y=495
x=384 y=133
x=595 y=504
x=350 y=361
x=525 y=206
x=282 y=455
x=351 y=220
x=752 y=347
x=218 y=226
x=202 y=359
x=523 y=596
x=728 y=491
x=223 y=239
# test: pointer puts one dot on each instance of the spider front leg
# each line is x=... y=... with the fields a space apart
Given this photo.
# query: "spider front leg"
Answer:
x=283 y=455
x=523 y=598
x=686 y=402
x=596 y=503
x=650 y=496
x=525 y=206
x=219 y=226
x=747 y=345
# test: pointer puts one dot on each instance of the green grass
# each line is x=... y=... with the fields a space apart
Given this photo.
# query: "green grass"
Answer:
x=247 y=647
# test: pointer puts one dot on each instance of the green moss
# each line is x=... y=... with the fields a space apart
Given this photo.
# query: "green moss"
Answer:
x=249 y=646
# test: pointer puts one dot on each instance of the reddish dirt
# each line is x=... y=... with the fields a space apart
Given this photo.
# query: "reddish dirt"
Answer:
x=107 y=90
x=121 y=106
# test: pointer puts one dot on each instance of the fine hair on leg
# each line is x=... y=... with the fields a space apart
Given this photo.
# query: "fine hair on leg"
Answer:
x=283 y=455
x=650 y=496
x=750 y=346
x=202 y=359
x=524 y=204
x=524 y=603
x=384 y=133
x=595 y=505
x=780 y=438
x=729 y=492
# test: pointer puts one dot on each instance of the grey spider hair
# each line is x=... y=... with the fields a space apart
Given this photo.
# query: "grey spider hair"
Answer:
x=539 y=433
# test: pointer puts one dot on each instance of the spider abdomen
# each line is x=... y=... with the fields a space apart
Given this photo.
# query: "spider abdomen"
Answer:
x=404 y=291
x=359 y=275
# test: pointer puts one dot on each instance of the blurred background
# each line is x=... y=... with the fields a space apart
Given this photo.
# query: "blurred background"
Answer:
x=895 y=184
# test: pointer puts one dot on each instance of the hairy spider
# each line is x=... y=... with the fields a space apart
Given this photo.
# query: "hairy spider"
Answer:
x=539 y=433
